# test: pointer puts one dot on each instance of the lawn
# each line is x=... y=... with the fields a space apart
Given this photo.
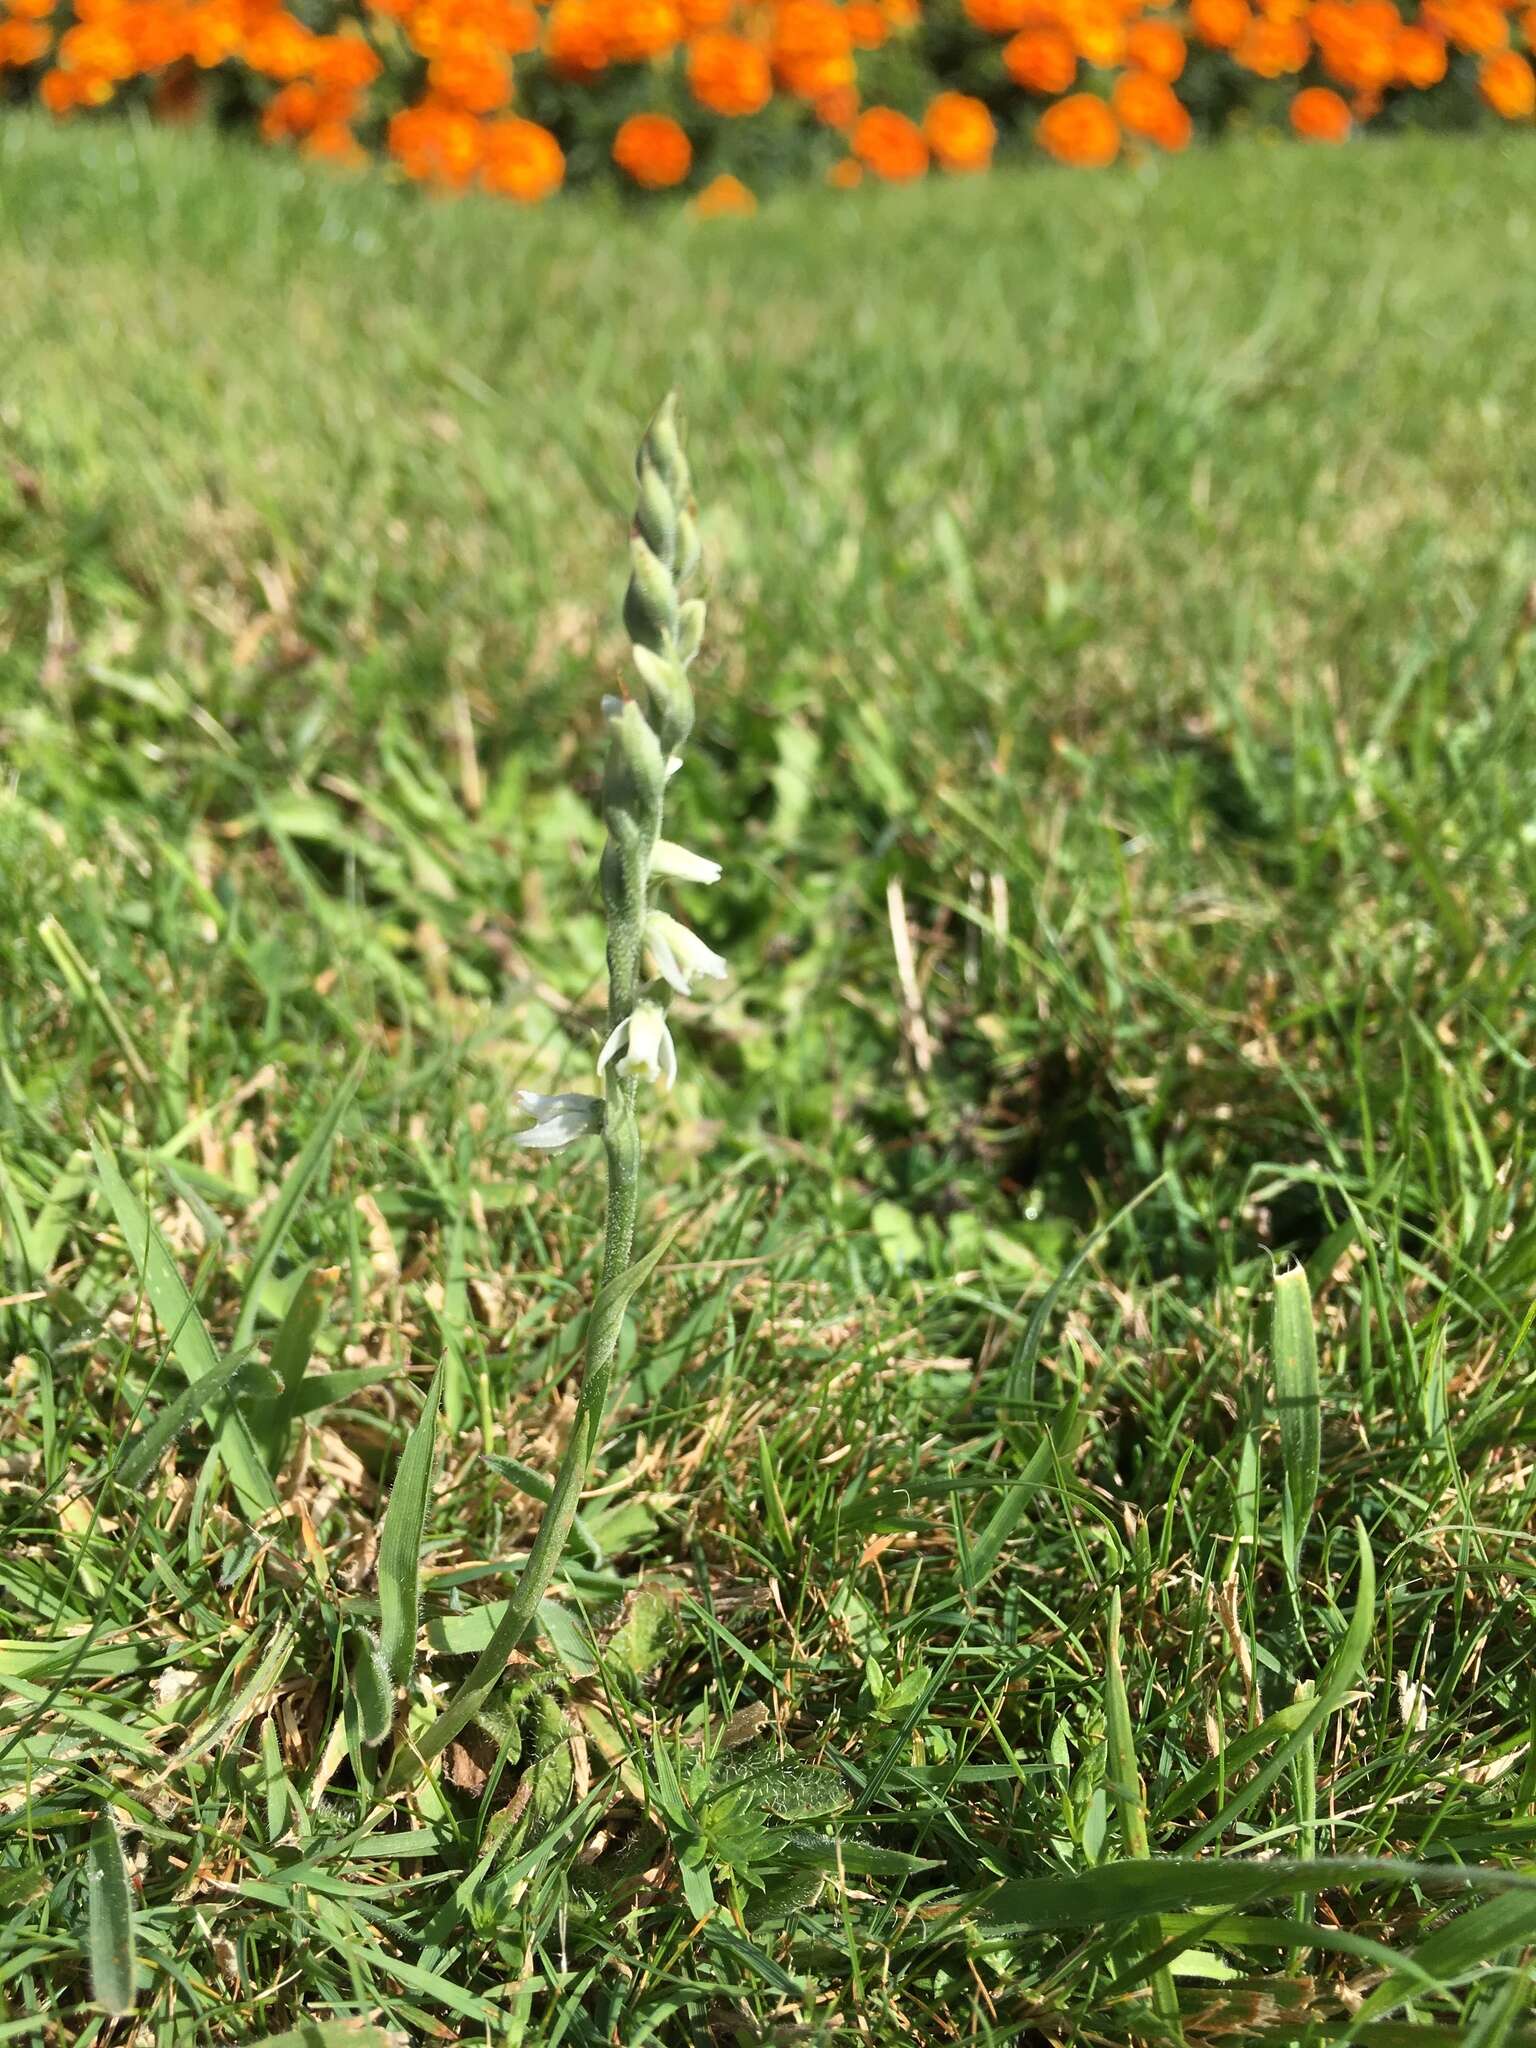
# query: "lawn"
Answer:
x=1115 y=724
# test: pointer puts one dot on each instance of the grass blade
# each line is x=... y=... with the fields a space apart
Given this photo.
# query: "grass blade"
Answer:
x=1126 y=1787
x=1133 y=1891
x=109 y=1919
x=1294 y=1348
x=292 y=1349
x=371 y=1686
x=148 y=1447
x=186 y=1333
x=300 y=1175
x=400 y=1543
x=1343 y=1667
x=1052 y=1452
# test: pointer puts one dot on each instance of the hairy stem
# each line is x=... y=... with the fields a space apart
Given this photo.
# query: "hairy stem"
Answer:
x=622 y=1144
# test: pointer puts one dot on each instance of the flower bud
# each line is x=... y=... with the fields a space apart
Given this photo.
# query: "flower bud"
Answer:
x=650 y=602
x=669 y=697
x=663 y=446
x=656 y=513
x=686 y=557
x=690 y=629
x=634 y=781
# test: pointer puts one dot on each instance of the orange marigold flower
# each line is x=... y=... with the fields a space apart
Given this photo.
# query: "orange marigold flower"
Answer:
x=279 y=48
x=867 y=26
x=846 y=173
x=32 y=10
x=1527 y=25
x=1041 y=60
x=960 y=131
x=641 y=29
x=902 y=13
x=1508 y=84
x=97 y=50
x=1079 y=130
x=521 y=161
x=59 y=91
x=333 y=142
x=1272 y=49
x=1156 y=47
x=1477 y=26
x=215 y=32
x=1319 y=114
x=1097 y=32
x=729 y=75
x=812 y=49
x=1356 y=42
x=1002 y=17
x=576 y=38
x=701 y=14
x=344 y=60
x=1149 y=106
x=22 y=42
x=477 y=80
x=890 y=145
x=437 y=143
x=724 y=195
x=291 y=112
x=838 y=108
x=1419 y=57
x=1220 y=23
x=513 y=26
x=653 y=150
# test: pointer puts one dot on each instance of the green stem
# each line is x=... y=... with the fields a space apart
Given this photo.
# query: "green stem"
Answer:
x=621 y=1141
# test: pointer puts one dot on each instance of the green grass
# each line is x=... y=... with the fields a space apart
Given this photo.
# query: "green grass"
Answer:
x=1125 y=581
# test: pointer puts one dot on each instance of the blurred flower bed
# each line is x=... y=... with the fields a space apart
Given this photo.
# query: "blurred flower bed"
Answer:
x=725 y=98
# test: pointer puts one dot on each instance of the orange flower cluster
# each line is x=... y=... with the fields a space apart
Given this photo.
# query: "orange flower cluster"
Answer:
x=443 y=81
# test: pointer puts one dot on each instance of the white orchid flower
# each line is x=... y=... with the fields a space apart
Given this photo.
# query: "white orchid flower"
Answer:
x=677 y=863
x=680 y=955
x=649 y=1051
x=558 y=1120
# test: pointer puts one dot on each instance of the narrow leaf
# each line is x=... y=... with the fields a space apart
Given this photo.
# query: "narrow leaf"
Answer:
x=400 y=1542
x=149 y=1446
x=1342 y=1670
x=109 y=1919
x=1294 y=1346
x=1054 y=1449
x=1126 y=1787
x=292 y=1348
x=186 y=1333
x=371 y=1686
x=295 y=1186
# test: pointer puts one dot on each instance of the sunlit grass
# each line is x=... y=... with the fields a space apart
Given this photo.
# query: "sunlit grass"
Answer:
x=1117 y=709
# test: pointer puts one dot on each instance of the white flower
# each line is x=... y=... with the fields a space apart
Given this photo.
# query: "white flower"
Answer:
x=668 y=858
x=681 y=956
x=650 y=1052
x=674 y=762
x=559 y=1120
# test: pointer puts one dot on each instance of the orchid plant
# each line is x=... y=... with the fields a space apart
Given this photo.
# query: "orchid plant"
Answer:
x=647 y=733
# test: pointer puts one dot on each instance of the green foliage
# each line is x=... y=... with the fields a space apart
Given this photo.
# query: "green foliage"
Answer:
x=109 y=1937
x=1140 y=585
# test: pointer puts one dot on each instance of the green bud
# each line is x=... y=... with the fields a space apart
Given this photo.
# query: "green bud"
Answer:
x=686 y=558
x=663 y=446
x=669 y=698
x=634 y=782
x=690 y=629
x=655 y=513
x=650 y=602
